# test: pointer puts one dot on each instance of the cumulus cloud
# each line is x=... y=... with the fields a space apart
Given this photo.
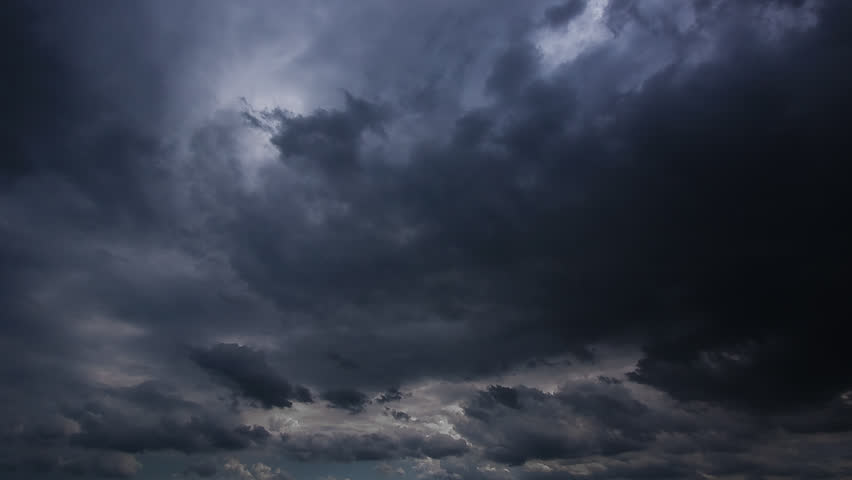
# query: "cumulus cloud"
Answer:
x=391 y=395
x=394 y=444
x=247 y=370
x=518 y=424
x=351 y=400
x=596 y=239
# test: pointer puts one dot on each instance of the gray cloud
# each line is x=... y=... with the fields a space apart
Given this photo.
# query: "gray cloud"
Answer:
x=251 y=375
x=518 y=424
x=110 y=431
x=370 y=446
x=104 y=465
x=351 y=400
x=563 y=13
x=470 y=190
x=391 y=395
x=329 y=139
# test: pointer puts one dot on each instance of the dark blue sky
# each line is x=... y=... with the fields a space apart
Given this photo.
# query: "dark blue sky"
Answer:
x=470 y=239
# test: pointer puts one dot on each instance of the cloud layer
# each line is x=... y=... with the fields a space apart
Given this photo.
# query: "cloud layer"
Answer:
x=476 y=239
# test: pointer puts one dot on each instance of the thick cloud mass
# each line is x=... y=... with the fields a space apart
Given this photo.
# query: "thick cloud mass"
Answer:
x=371 y=446
x=447 y=239
x=251 y=375
x=351 y=400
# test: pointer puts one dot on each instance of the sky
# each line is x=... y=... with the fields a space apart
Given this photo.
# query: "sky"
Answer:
x=425 y=239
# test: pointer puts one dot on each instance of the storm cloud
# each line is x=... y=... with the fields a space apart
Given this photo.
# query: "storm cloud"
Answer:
x=250 y=375
x=451 y=239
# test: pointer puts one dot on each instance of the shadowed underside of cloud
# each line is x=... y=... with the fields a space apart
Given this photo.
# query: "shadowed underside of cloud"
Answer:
x=371 y=446
x=196 y=435
x=519 y=424
x=351 y=400
x=247 y=370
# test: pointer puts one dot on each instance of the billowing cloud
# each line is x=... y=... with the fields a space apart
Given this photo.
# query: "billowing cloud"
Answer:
x=519 y=424
x=391 y=395
x=351 y=400
x=393 y=444
x=250 y=374
x=454 y=239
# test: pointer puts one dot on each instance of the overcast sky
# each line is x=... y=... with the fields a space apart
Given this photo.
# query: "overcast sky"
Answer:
x=425 y=239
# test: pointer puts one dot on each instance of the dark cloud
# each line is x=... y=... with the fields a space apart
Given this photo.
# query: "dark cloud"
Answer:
x=114 y=432
x=256 y=433
x=513 y=69
x=370 y=446
x=543 y=362
x=153 y=395
x=603 y=233
x=103 y=465
x=629 y=438
x=342 y=361
x=391 y=395
x=329 y=140
x=499 y=394
x=498 y=189
x=563 y=13
x=397 y=414
x=761 y=313
x=625 y=437
x=518 y=424
x=55 y=126
x=351 y=400
x=249 y=373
